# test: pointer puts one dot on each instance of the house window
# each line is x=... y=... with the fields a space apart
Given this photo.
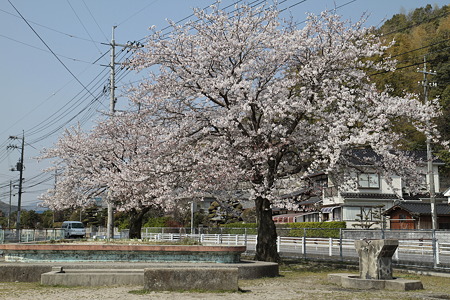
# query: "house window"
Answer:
x=369 y=181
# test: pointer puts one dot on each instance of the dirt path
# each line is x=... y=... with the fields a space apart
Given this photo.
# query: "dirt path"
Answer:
x=292 y=284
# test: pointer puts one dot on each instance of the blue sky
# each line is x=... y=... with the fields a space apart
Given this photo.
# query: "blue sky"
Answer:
x=40 y=95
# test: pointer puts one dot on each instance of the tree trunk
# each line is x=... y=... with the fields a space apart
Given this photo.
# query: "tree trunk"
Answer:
x=266 y=247
x=136 y=217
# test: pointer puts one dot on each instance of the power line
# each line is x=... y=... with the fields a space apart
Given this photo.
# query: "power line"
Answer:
x=84 y=27
x=48 y=47
x=418 y=23
x=41 y=49
x=136 y=13
x=49 y=28
x=424 y=47
x=93 y=18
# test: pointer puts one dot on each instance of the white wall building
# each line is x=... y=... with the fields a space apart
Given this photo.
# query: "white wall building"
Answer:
x=362 y=206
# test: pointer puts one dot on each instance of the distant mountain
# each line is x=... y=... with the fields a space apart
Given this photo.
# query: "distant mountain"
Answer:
x=36 y=208
x=4 y=207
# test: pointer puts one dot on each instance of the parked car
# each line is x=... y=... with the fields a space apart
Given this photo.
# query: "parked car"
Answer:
x=73 y=229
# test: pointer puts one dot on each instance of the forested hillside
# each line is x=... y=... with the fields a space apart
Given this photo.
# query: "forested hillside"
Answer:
x=420 y=35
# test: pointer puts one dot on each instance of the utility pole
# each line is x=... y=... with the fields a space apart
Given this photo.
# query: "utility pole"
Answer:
x=431 y=188
x=192 y=217
x=112 y=104
x=112 y=110
x=10 y=196
x=19 y=167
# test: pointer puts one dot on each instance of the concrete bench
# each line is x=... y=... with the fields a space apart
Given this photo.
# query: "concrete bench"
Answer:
x=184 y=279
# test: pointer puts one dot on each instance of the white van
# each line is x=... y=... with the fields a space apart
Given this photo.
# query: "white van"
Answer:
x=73 y=229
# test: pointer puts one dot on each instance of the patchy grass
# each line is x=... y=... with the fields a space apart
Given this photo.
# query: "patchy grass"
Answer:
x=140 y=292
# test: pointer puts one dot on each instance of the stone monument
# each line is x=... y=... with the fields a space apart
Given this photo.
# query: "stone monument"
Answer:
x=375 y=258
x=375 y=268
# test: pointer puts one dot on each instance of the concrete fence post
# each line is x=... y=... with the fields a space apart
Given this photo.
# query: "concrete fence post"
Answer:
x=303 y=245
x=330 y=246
x=245 y=237
x=278 y=244
x=304 y=242
x=437 y=253
x=434 y=248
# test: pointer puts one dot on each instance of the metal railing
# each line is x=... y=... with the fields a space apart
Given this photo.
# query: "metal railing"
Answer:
x=30 y=235
x=423 y=252
x=416 y=248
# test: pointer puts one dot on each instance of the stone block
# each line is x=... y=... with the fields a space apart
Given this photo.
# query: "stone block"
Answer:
x=185 y=279
x=400 y=284
x=22 y=272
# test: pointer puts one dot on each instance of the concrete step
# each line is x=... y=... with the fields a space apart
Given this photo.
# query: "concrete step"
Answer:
x=93 y=277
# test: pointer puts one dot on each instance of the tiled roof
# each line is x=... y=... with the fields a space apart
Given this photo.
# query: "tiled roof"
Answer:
x=367 y=156
x=419 y=208
x=387 y=196
x=368 y=196
x=311 y=200
x=294 y=194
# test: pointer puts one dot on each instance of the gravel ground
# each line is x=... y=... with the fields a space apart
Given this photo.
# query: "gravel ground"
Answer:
x=296 y=282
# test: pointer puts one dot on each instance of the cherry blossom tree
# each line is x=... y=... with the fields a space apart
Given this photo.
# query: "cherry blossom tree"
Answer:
x=118 y=160
x=250 y=100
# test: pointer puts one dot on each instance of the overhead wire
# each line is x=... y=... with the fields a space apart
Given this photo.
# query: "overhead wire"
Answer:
x=84 y=27
x=51 y=29
x=95 y=21
x=418 y=23
x=48 y=47
x=136 y=13
x=44 y=50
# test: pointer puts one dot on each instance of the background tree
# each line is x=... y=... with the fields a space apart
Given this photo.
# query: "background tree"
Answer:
x=30 y=219
x=251 y=99
x=119 y=159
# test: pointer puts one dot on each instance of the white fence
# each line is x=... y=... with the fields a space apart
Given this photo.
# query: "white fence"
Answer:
x=424 y=251
x=421 y=252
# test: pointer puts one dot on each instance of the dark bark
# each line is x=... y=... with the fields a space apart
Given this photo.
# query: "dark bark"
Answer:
x=136 y=217
x=266 y=247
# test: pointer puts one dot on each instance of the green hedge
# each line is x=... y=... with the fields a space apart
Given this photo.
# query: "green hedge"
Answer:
x=315 y=229
x=239 y=228
x=307 y=229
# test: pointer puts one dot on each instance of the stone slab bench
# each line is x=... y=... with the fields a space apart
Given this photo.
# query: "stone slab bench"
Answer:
x=96 y=273
x=185 y=279
x=353 y=281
